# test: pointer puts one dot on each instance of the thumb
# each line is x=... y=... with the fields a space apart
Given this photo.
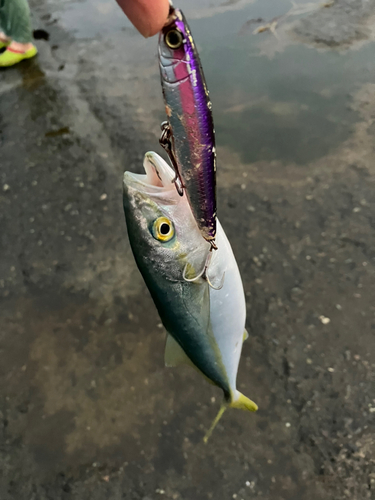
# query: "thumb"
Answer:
x=148 y=16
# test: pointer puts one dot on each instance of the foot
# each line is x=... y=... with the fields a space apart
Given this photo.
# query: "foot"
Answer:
x=4 y=40
x=17 y=52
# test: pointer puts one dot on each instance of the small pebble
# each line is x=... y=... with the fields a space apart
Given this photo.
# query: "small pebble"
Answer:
x=103 y=197
x=6 y=187
x=324 y=320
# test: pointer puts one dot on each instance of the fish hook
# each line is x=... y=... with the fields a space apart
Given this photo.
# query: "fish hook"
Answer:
x=216 y=287
x=191 y=280
x=203 y=274
x=165 y=141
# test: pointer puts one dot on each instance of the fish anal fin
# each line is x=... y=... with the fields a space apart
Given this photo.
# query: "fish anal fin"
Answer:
x=245 y=335
x=174 y=354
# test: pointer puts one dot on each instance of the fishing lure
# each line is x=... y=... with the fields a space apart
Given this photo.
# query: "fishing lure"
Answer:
x=188 y=135
x=206 y=326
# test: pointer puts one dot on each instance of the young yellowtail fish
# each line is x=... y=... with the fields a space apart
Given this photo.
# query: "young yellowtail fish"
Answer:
x=206 y=326
x=188 y=135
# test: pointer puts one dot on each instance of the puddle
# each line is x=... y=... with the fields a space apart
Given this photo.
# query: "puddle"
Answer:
x=293 y=107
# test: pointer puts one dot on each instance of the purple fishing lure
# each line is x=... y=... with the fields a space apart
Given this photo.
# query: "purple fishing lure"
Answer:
x=188 y=135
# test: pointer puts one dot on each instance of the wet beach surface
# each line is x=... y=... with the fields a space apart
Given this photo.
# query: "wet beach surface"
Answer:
x=87 y=409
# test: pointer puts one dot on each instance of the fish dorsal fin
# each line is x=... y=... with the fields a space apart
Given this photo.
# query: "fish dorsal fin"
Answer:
x=174 y=354
x=245 y=335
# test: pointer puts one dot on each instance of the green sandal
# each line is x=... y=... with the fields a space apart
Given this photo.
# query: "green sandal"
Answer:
x=11 y=56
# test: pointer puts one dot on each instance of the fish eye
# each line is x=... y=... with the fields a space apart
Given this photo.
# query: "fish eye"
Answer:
x=173 y=38
x=163 y=229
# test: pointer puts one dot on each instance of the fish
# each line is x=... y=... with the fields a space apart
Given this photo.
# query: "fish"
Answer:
x=188 y=135
x=205 y=326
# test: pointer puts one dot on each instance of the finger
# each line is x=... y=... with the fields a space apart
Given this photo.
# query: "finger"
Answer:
x=148 y=16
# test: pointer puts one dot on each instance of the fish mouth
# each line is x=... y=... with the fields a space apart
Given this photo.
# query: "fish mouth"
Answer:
x=158 y=175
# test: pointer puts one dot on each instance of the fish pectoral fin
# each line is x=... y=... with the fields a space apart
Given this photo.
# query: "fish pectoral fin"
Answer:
x=174 y=354
x=243 y=403
x=245 y=335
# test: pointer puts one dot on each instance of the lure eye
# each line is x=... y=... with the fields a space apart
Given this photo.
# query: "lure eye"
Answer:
x=174 y=39
x=163 y=229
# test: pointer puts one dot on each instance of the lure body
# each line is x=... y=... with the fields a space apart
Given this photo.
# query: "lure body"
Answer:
x=205 y=326
x=188 y=109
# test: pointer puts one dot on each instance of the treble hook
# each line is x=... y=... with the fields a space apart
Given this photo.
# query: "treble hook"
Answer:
x=216 y=287
x=203 y=274
x=165 y=142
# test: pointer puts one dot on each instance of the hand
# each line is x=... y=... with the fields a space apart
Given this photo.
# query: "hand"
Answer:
x=148 y=16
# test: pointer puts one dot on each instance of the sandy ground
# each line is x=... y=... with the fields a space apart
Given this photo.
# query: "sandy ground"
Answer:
x=87 y=409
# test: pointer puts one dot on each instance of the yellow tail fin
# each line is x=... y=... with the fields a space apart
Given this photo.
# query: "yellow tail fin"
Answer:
x=242 y=403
